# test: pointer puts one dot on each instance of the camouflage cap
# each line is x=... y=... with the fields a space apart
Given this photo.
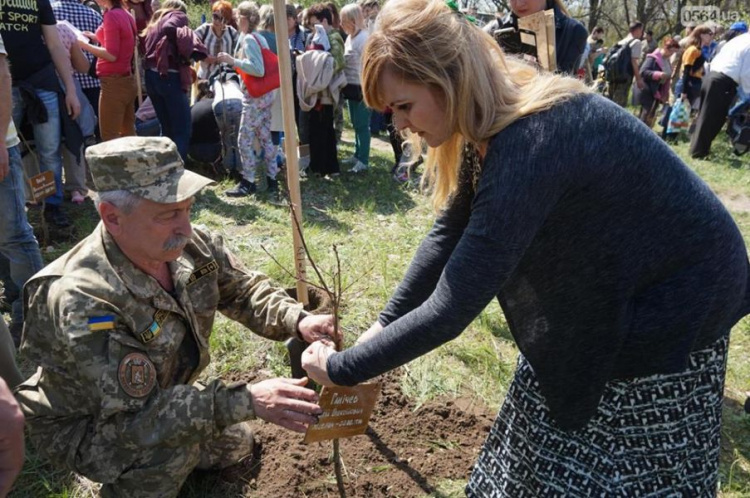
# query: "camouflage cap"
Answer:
x=149 y=167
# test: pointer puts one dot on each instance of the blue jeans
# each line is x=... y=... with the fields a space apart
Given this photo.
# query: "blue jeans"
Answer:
x=228 y=114
x=19 y=250
x=46 y=138
x=172 y=108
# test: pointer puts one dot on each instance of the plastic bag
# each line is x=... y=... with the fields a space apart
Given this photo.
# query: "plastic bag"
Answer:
x=679 y=118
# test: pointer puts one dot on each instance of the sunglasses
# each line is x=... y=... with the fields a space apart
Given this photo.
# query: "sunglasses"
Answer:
x=218 y=17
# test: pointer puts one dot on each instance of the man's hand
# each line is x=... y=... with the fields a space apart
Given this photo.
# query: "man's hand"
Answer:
x=315 y=327
x=73 y=105
x=11 y=439
x=315 y=359
x=374 y=330
x=285 y=402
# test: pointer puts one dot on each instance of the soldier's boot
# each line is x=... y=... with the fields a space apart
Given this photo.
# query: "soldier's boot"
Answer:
x=233 y=446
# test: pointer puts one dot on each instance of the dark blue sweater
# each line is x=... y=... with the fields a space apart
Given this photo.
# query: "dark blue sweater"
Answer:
x=610 y=258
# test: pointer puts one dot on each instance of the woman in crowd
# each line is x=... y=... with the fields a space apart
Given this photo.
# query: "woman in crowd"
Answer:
x=256 y=111
x=218 y=36
x=657 y=75
x=353 y=24
x=169 y=50
x=689 y=86
x=622 y=325
x=570 y=35
x=114 y=67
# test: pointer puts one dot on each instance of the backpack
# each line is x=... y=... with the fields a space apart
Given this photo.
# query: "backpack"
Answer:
x=617 y=65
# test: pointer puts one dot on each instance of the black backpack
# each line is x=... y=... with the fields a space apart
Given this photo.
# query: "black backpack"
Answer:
x=617 y=65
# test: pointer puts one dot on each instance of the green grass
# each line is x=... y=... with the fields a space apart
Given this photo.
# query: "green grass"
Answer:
x=377 y=225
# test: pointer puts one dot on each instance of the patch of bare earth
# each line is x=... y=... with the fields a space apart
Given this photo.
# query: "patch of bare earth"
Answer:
x=735 y=202
x=406 y=452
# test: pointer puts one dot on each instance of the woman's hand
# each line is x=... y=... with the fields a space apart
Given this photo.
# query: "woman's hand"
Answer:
x=374 y=330
x=225 y=58
x=91 y=36
x=315 y=359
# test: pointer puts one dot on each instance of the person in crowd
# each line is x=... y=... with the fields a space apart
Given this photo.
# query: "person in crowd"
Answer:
x=74 y=165
x=83 y=19
x=338 y=112
x=19 y=250
x=116 y=39
x=255 y=124
x=657 y=76
x=689 y=86
x=11 y=433
x=322 y=69
x=266 y=29
x=612 y=320
x=218 y=36
x=142 y=12
x=570 y=35
x=353 y=23
x=618 y=91
x=146 y=122
x=35 y=54
x=170 y=48
x=736 y=29
x=594 y=48
x=729 y=70
x=370 y=10
x=205 y=138
x=120 y=329
x=649 y=44
x=227 y=108
x=297 y=37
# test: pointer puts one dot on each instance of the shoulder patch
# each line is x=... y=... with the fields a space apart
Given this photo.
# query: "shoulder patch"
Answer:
x=153 y=330
x=137 y=375
x=210 y=267
x=101 y=323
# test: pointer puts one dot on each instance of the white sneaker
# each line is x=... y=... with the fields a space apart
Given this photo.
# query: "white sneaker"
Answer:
x=358 y=167
x=303 y=163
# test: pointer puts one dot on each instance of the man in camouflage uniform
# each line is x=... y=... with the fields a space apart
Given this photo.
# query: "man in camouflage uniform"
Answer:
x=120 y=329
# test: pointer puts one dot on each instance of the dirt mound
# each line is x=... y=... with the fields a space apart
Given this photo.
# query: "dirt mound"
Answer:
x=407 y=451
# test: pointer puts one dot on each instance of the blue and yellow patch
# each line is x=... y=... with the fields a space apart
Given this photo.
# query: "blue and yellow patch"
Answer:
x=106 y=322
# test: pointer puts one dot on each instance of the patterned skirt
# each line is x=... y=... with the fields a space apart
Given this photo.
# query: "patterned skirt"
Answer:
x=655 y=436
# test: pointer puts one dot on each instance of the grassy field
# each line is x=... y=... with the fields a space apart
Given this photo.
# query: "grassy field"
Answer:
x=377 y=224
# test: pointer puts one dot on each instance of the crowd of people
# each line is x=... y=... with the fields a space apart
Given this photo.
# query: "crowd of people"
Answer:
x=612 y=319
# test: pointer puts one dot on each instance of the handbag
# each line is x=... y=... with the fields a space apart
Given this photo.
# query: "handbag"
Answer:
x=257 y=86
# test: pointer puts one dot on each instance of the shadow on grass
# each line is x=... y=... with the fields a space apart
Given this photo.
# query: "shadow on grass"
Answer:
x=735 y=448
x=241 y=212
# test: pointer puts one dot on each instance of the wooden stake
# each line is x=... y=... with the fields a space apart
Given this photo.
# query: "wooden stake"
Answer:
x=290 y=144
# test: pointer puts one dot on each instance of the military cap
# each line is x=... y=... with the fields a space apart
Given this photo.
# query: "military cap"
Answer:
x=149 y=167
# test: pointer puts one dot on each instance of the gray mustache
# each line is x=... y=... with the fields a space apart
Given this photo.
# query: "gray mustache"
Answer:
x=176 y=242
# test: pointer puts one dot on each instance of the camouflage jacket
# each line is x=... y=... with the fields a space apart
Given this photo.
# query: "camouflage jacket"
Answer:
x=117 y=354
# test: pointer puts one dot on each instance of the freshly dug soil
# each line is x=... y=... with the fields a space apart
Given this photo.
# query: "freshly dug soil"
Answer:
x=406 y=452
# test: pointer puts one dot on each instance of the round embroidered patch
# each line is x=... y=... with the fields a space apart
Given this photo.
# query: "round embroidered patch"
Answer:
x=137 y=375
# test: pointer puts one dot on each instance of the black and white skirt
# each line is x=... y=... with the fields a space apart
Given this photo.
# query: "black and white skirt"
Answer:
x=655 y=436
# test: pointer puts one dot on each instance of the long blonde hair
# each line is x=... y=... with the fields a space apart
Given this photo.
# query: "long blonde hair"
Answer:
x=425 y=42
x=166 y=7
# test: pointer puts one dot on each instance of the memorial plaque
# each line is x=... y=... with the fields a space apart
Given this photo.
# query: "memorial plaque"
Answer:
x=346 y=412
x=42 y=185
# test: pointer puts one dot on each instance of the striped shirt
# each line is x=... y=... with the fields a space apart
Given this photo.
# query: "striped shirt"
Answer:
x=215 y=44
x=85 y=19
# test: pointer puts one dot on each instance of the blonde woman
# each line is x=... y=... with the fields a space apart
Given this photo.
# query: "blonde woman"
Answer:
x=353 y=24
x=620 y=274
x=255 y=124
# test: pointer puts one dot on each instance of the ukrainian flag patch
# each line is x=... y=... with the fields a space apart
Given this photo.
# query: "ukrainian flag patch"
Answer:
x=101 y=323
